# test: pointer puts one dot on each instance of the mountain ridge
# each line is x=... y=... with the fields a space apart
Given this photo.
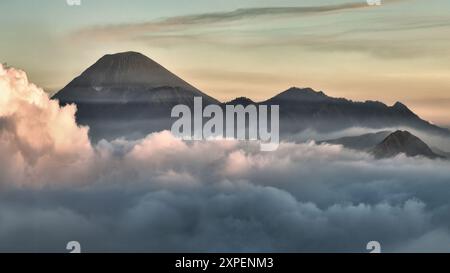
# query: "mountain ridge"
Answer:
x=130 y=88
x=303 y=108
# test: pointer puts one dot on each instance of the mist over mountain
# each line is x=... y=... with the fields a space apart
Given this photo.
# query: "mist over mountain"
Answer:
x=362 y=142
x=129 y=95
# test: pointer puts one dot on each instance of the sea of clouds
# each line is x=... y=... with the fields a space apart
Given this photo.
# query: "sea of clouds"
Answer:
x=160 y=193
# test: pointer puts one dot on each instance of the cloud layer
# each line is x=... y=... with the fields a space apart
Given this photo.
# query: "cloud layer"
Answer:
x=164 y=194
x=38 y=139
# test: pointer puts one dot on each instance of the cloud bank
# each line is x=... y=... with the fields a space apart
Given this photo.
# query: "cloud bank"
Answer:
x=164 y=194
x=38 y=139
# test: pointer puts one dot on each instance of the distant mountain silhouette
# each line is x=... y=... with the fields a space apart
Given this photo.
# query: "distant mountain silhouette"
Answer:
x=240 y=101
x=403 y=142
x=129 y=95
x=128 y=77
x=305 y=108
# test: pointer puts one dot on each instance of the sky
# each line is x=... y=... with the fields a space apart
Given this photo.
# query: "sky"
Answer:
x=398 y=51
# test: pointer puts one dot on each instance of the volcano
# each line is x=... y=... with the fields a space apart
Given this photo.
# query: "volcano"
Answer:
x=127 y=95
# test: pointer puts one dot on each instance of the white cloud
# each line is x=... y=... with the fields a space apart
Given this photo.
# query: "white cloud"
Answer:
x=38 y=139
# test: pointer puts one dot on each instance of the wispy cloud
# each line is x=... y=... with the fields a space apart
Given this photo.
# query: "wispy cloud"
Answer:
x=375 y=35
x=240 y=14
x=222 y=17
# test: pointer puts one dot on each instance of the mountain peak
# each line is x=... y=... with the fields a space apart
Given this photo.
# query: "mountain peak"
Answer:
x=402 y=142
x=401 y=108
x=241 y=101
x=128 y=69
x=127 y=94
x=130 y=59
x=399 y=105
x=303 y=94
x=126 y=54
x=306 y=90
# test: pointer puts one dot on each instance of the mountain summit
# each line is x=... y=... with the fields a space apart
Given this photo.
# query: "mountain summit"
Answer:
x=403 y=142
x=127 y=95
x=301 y=94
x=125 y=77
x=129 y=69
